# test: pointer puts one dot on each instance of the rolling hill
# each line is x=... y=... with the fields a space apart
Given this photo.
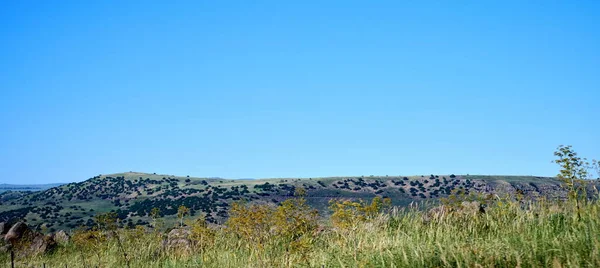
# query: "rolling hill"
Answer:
x=133 y=195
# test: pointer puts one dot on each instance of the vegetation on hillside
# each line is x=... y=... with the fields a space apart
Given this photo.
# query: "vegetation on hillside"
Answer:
x=470 y=229
x=133 y=196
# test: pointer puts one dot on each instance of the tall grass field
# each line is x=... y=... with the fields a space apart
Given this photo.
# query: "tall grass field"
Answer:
x=495 y=233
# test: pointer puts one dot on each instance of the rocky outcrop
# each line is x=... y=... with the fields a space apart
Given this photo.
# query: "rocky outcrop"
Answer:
x=42 y=244
x=178 y=239
x=19 y=231
x=472 y=208
x=61 y=237
x=529 y=190
x=26 y=241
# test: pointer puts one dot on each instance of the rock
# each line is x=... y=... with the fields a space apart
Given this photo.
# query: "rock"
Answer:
x=472 y=208
x=3 y=228
x=436 y=214
x=61 y=237
x=17 y=232
x=27 y=241
x=42 y=244
x=178 y=239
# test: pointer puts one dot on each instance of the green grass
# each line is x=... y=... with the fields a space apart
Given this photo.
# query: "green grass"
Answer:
x=509 y=234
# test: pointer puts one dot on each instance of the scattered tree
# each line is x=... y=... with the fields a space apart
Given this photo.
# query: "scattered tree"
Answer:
x=182 y=211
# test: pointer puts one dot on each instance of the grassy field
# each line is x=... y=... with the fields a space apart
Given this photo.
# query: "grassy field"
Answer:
x=509 y=233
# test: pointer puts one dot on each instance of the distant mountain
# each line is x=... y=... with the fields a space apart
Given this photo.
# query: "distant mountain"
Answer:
x=27 y=187
x=133 y=195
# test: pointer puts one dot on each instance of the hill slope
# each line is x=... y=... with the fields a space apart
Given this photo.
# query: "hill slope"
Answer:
x=133 y=195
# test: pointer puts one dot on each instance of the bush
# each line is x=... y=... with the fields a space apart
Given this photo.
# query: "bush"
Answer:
x=347 y=214
x=252 y=223
x=294 y=218
x=202 y=236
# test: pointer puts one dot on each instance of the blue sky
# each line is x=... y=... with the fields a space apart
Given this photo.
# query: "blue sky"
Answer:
x=252 y=89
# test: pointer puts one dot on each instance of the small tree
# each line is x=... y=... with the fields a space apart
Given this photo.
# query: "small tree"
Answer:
x=106 y=221
x=294 y=218
x=300 y=192
x=181 y=212
x=155 y=215
x=573 y=172
x=346 y=214
x=109 y=222
x=201 y=234
x=596 y=167
x=251 y=223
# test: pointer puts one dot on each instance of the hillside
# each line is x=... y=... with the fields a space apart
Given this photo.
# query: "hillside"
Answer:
x=133 y=195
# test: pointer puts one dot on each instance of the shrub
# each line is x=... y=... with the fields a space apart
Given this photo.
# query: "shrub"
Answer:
x=294 y=218
x=347 y=214
x=202 y=236
x=251 y=223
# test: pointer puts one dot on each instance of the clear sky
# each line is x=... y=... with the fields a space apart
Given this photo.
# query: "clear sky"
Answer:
x=253 y=89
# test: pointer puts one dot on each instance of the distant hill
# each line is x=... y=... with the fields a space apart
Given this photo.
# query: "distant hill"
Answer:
x=27 y=187
x=133 y=195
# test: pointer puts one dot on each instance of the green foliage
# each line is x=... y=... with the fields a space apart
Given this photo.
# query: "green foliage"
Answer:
x=155 y=213
x=573 y=167
x=182 y=211
x=88 y=238
x=292 y=223
x=347 y=214
x=156 y=218
x=294 y=219
x=201 y=234
x=251 y=223
x=596 y=167
x=107 y=221
x=574 y=171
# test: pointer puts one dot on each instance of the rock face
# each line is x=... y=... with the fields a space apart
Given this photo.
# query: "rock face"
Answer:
x=61 y=237
x=42 y=244
x=530 y=190
x=28 y=242
x=178 y=239
x=17 y=232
